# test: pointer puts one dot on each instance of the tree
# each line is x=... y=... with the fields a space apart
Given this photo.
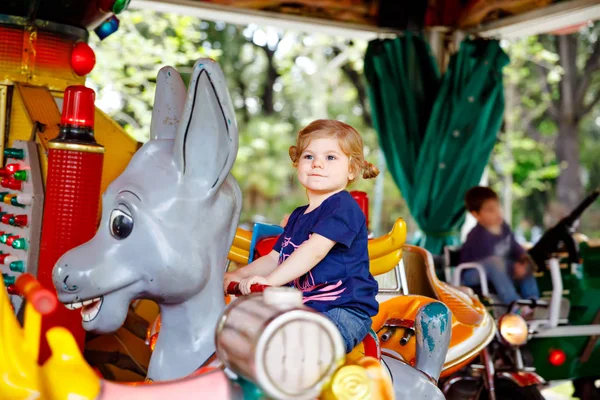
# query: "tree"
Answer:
x=532 y=163
x=568 y=69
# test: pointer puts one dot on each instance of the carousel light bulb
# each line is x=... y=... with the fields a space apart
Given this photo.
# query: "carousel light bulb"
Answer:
x=9 y=279
x=12 y=289
x=19 y=244
x=12 y=168
x=3 y=239
x=17 y=266
x=11 y=183
x=7 y=198
x=107 y=28
x=17 y=154
x=11 y=240
x=83 y=59
x=22 y=200
x=6 y=218
x=120 y=5
x=21 y=175
x=19 y=220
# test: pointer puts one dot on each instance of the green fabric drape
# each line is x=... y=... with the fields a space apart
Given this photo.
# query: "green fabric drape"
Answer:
x=436 y=133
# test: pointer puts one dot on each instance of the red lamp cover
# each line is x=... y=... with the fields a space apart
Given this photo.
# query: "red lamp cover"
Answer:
x=83 y=59
x=557 y=357
x=78 y=107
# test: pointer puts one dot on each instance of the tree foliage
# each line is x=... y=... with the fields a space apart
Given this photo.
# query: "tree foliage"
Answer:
x=546 y=152
x=279 y=81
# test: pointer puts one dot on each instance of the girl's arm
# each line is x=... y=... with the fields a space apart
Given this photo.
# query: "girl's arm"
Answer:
x=262 y=266
x=302 y=260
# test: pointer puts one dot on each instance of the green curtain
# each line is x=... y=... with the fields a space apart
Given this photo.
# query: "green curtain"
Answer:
x=436 y=133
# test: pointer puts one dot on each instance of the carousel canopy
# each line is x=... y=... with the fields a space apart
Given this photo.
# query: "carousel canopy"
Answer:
x=368 y=19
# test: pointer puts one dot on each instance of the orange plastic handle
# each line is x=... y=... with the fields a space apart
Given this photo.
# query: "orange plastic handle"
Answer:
x=42 y=300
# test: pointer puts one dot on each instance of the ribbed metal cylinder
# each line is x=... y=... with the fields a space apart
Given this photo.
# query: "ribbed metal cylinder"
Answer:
x=70 y=219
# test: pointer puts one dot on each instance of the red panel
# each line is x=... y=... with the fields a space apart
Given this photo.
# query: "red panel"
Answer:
x=11 y=48
x=363 y=202
x=70 y=218
x=52 y=52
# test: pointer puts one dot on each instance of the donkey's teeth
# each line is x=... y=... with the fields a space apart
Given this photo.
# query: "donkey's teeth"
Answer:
x=91 y=309
x=74 y=305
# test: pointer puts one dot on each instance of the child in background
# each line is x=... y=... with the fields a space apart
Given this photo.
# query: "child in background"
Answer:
x=323 y=249
x=492 y=244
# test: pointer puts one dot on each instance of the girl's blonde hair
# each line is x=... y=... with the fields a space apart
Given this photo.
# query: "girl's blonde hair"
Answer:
x=349 y=139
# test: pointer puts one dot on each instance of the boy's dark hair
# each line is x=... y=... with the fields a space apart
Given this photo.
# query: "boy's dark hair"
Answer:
x=478 y=195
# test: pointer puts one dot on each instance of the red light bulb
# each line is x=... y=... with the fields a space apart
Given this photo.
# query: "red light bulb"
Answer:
x=6 y=218
x=20 y=220
x=12 y=289
x=4 y=172
x=83 y=59
x=3 y=258
x=78 y=107
x=557 y=357
x=11 y=239
x=12 y=168
x=11 y=183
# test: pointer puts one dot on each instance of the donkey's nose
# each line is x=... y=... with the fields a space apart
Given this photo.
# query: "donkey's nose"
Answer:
x=62 y=280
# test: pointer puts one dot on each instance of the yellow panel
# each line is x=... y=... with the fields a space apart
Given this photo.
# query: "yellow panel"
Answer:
x=40 y=104
x=37 y=104
x=119 y=147
x=21 y=126
x=3 y=116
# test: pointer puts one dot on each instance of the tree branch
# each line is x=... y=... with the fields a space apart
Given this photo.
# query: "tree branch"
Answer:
x=532 y=132
x=592 y=65
x=567 y=52
x=546 y=88
x=588 y=108
x=271 y=76
x=356 y=79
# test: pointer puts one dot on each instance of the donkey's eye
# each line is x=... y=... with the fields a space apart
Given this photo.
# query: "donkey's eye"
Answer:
x=121 y=224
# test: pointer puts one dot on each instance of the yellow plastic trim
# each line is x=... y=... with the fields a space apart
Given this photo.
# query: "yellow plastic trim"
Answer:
x=390 y=242
x=386 y=263
x=76 y=147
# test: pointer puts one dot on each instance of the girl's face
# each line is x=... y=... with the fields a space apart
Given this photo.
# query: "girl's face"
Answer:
x=323 y=167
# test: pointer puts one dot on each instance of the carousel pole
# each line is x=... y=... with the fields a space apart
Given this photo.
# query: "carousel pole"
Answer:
x=72 y=199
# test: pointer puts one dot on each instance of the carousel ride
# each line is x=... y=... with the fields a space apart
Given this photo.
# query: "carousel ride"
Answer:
x=148 y=247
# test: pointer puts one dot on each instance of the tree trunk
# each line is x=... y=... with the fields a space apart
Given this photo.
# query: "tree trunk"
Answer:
x=569 y=188
x=270 y=78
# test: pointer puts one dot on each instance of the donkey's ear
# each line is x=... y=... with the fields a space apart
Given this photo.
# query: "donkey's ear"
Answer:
x=207 y=139
x=169 y=100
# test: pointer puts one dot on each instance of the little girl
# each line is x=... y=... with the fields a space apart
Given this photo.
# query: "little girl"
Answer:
x=323 y=249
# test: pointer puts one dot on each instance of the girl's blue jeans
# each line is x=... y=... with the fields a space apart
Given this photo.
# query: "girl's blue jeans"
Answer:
x=352 y=323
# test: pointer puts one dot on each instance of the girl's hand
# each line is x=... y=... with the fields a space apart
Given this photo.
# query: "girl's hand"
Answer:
x=230 y=277
x=245 y=284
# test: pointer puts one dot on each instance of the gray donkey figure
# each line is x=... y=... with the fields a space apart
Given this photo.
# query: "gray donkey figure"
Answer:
x=167 y=224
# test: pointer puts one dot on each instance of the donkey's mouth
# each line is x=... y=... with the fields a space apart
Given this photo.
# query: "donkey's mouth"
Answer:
x=89 y=308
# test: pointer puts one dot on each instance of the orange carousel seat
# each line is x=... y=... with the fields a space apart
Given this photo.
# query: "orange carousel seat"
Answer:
x=472 y=326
